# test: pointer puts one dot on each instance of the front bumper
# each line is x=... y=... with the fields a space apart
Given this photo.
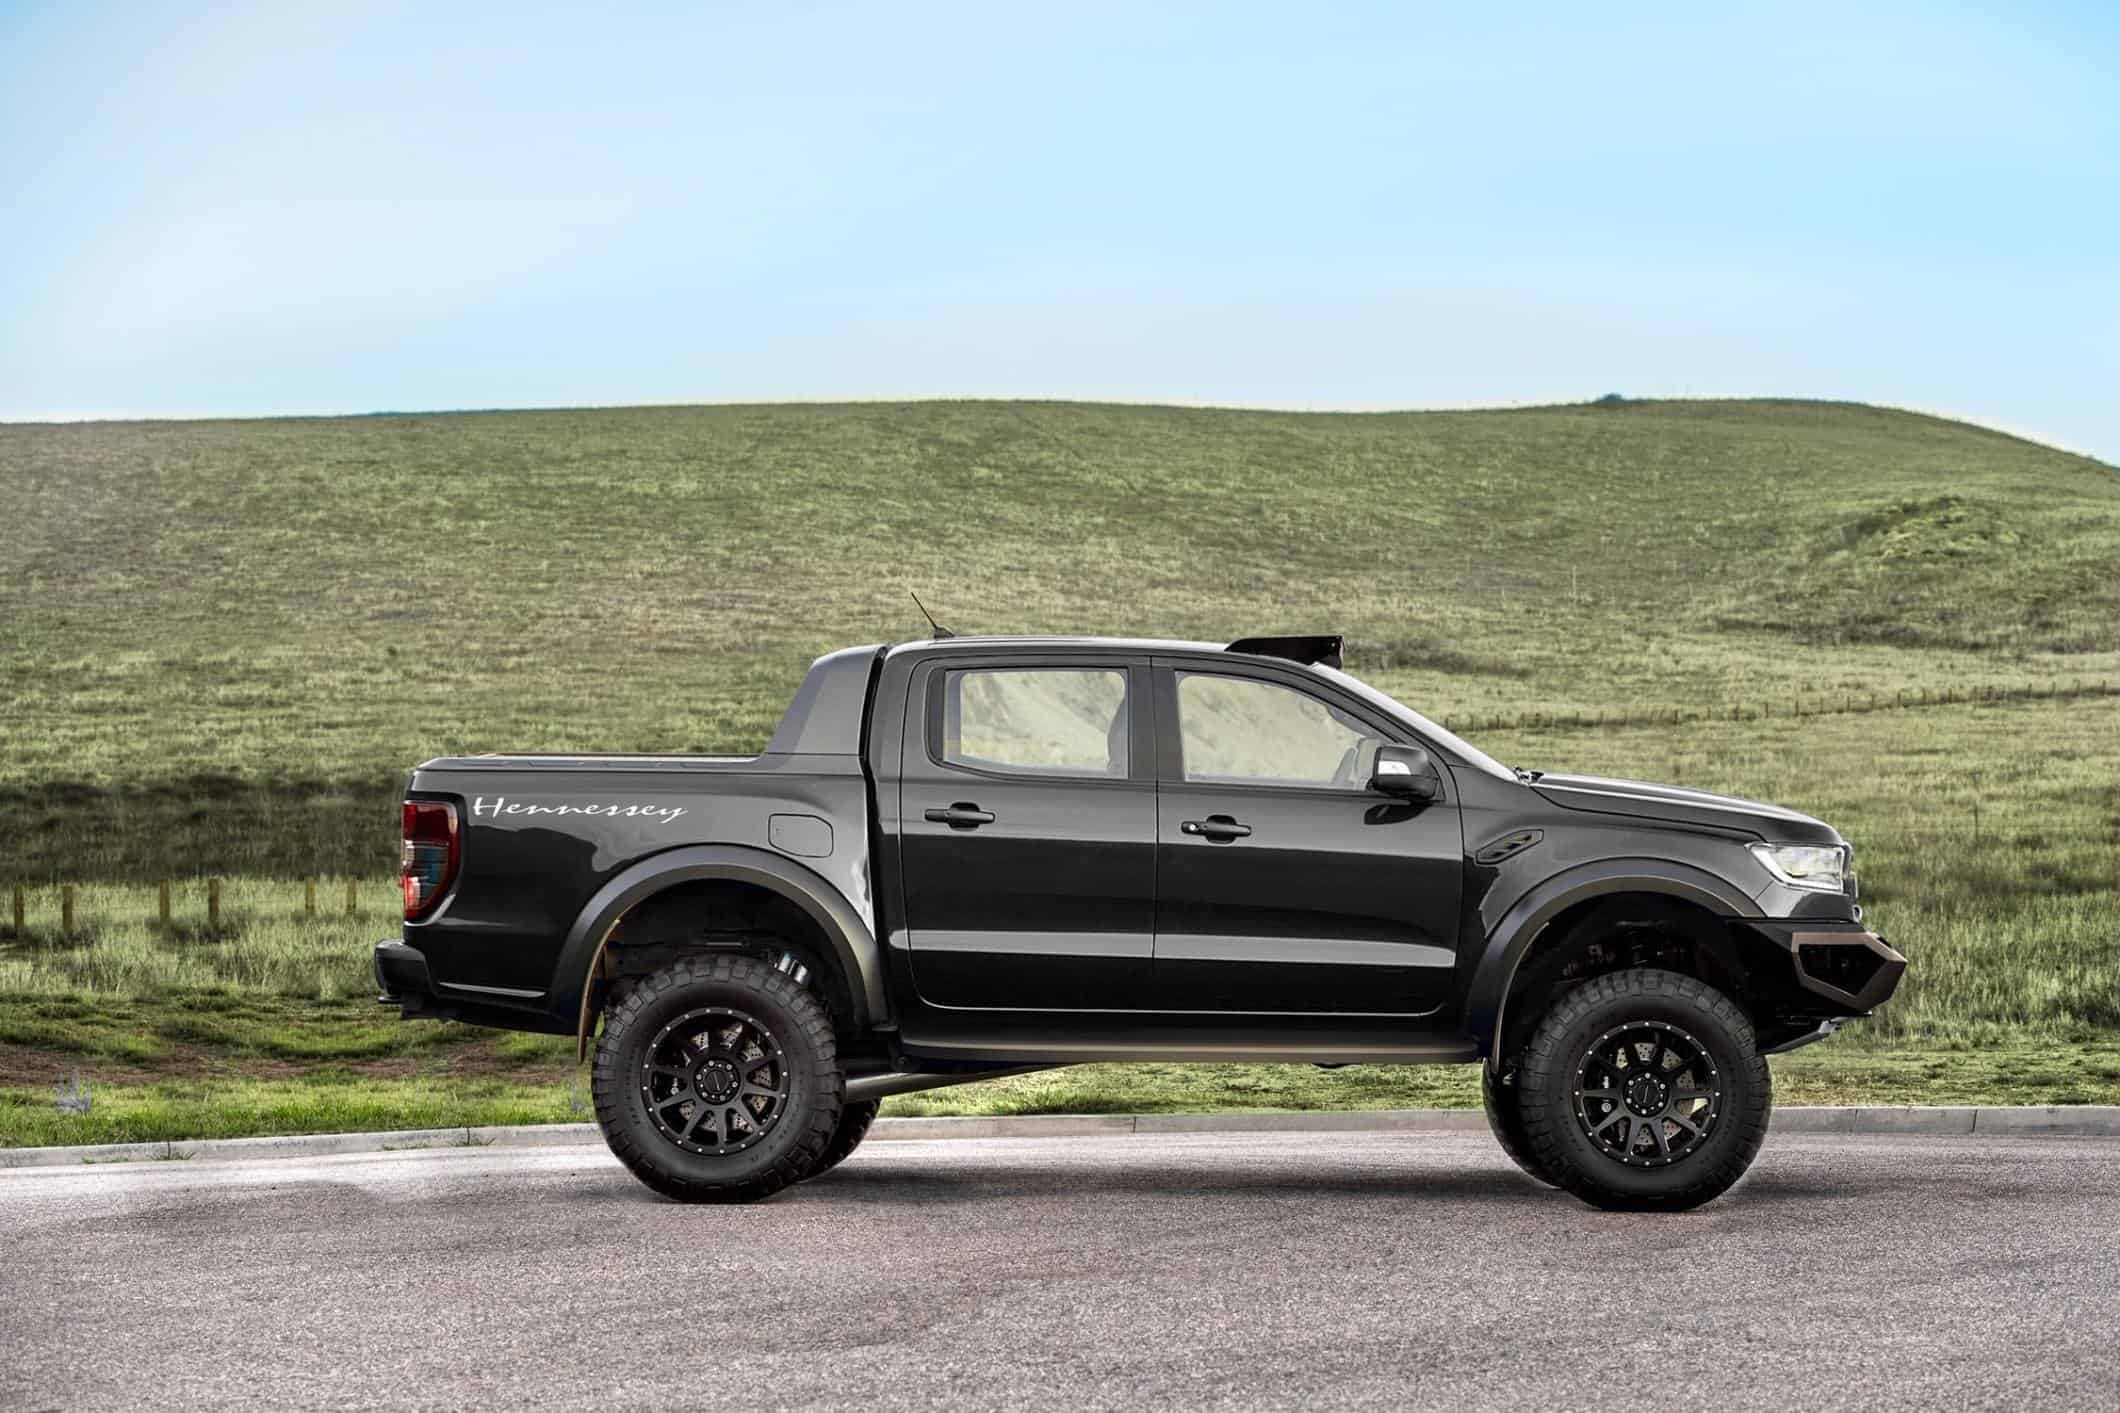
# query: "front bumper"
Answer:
x=1856 y=971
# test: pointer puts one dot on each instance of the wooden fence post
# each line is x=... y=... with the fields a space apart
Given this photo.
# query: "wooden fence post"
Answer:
x=352 y=903
x=66 y=909
x=20 y=910
x=162 y=903
x=309 y=897
x=213 y=905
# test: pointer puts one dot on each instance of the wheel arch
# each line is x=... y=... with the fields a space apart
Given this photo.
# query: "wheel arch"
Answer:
x=852 y=943
x=1527 y=920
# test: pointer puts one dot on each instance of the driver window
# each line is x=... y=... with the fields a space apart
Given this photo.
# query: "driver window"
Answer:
x=1238 y=730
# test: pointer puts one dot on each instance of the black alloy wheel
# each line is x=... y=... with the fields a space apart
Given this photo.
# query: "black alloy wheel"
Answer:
x=1647 y=1093
x=717 y=1079
x=714 y=1080
x=1643 y=1090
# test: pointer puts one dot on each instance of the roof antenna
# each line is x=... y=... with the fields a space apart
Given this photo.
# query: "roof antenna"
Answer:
x=940 y=631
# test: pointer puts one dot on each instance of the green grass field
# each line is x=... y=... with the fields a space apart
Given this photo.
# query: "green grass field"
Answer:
x=224 y=643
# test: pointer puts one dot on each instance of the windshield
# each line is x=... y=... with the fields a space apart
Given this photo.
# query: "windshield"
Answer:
x=1456 y=745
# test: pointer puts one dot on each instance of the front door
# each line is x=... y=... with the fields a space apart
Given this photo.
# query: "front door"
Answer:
x=1028 y=808
x=1284 y=884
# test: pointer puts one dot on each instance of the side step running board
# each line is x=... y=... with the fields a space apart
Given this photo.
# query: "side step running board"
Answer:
x=881 y=1086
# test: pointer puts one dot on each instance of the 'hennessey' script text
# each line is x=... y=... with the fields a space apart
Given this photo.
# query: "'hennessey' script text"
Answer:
x=501 y=804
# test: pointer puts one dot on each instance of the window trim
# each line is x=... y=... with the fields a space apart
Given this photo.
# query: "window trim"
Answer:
x=1170 y=744
x=1140 y=747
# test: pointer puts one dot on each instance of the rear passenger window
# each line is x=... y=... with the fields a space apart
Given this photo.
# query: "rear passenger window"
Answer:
x=1037 y=720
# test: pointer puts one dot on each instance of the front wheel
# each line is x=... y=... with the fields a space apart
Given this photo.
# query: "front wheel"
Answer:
x=1644 y=1090
x=717 y=1080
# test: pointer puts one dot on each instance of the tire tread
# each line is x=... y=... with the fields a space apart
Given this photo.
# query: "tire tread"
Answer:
x=855 y=1120
x=1505 y=1120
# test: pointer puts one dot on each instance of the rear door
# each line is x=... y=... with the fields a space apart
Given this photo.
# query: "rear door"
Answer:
x=1028 y=809
x=1284 y=884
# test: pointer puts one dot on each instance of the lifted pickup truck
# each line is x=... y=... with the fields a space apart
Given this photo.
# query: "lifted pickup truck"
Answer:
x=969 y=856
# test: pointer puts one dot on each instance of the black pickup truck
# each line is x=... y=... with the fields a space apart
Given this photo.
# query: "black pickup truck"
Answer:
x=968 y=856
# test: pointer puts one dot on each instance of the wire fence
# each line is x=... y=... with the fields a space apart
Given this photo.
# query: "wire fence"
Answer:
x=189 y=910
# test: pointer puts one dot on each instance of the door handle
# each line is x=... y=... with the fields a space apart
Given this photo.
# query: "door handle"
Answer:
x=961 y=816
x=1219 y=827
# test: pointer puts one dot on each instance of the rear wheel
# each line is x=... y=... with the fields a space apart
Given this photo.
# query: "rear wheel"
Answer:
x=854 y=1121
x=717 y=1080
x=1644 y=1090
x=1505 y=1117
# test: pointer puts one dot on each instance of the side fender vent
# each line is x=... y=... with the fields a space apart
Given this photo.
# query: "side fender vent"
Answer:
x=1508 y=846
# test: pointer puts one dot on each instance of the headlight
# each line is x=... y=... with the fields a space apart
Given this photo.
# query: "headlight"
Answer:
x=1819 y=868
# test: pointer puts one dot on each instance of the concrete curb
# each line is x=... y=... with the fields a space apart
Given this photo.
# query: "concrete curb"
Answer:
x=2076 y=1121
x=304 y=1145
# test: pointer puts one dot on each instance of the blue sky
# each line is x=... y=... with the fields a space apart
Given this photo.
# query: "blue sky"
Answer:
x=314 y=209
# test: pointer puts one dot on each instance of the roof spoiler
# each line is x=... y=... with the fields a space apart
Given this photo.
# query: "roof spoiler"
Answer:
x=1322 y=649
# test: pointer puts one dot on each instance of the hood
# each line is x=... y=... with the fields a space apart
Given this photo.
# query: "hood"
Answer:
x=1638 y=799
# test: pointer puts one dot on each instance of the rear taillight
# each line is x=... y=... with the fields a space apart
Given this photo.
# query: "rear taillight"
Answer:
x=427 y=866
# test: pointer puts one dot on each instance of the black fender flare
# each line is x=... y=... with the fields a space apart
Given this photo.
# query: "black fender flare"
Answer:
x=842 y=924
x=1519 y=928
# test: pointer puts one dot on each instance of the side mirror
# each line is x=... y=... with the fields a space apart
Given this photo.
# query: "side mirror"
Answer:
x=1406 y=772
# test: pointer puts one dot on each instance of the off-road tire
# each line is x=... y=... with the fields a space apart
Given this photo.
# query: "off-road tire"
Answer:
x=1568 y=1037
x=810 y=1080
x=1505 y=1118
x=854 y=1121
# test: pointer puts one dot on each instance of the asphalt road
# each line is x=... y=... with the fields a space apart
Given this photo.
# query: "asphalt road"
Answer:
x=1253 y=1271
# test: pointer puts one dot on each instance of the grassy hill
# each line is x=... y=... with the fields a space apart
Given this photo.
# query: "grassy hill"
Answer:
x=222 y=643
x=289 y=612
